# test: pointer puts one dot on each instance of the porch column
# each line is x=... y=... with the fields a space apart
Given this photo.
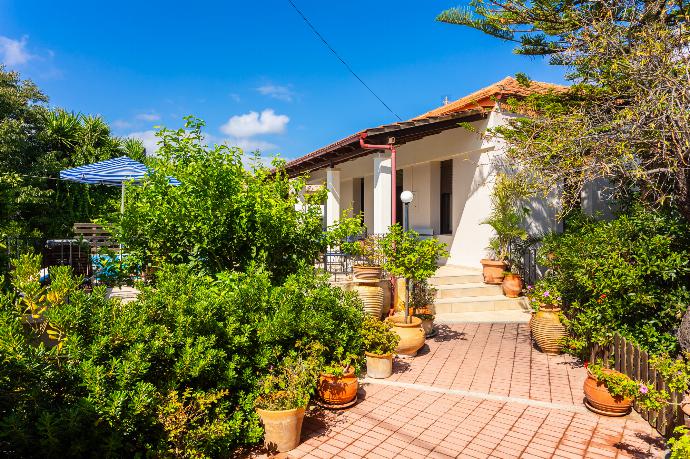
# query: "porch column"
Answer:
x=333 y=200
x=382 y=193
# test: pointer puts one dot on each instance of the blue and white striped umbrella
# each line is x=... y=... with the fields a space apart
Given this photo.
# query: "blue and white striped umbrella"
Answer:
x=114 y=172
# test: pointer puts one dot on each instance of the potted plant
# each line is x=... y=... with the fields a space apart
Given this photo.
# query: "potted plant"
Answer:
x=337 y=386
x=380 y=342
x=408 y=256
x=506 y=219
x=611 y=393
x=545 y=324
x=367 y=258
x=283 y=399
x=422 y=303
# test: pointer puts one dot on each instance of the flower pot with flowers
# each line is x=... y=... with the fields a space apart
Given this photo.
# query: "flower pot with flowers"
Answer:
x=408 y=256
x=380 y=342
x=506 y=218
x=545 y=324
x=611 y=393
x=422 y=300
x=284 y=394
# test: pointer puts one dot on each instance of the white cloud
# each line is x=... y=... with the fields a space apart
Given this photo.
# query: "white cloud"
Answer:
x=253 y=123
x=14 y=52
x=148 y=117
x=122 y=124
x=277 y=92
x=149 y=140
x=246 y=144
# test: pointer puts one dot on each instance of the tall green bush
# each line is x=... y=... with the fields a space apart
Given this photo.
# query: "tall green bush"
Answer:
x=175 y=373
x=223 y=215
x=630 y=275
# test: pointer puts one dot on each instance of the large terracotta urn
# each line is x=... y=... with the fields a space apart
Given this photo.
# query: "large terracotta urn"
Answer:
x=282 y=429
x=512 y=285
x=493 y=271
x=372 y=295
x=411 y=335
x=547 y=329
x=366 y=273
x=338 y=390
x=599 y=400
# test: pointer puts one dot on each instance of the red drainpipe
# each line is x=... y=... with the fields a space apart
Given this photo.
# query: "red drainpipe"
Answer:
x=390 y=147
x=394 y=174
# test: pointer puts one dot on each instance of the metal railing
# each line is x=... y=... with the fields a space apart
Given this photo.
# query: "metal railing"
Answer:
x=525 y=254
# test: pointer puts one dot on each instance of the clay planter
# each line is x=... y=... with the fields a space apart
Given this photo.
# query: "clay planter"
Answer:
x=387 y=296
x=493 y=271
x=366 y=273
x=379 y=366
x=338 y=390
x=547 y=330
x=512 y=285
x=599 y=400
x=411 y=335
x=428 y=327
x=371 y=294
x=282 y=428
x=685 y=407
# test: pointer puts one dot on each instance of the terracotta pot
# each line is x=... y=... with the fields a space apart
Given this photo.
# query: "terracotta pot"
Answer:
x=493 y=271
x=399 y=297
x=387 y=296
x=379 y=366
x=685 y=407
x=512 y=285
x=371 y=294
x=366 y=273
x=338 y=390
x=600 y=400
x=547 y=330
x=411 y=334
x=428 y=327
x=282 y=428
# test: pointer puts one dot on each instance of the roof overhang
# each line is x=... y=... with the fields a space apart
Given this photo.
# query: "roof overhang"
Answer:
x=349 y=148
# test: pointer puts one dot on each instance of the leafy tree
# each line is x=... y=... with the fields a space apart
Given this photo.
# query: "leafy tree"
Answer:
x=627 y=116
x=223 y=215
x=36 y=142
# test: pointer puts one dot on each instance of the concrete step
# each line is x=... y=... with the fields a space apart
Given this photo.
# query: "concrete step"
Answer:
x=480 y=304
x=456 y=279
x=467 y=289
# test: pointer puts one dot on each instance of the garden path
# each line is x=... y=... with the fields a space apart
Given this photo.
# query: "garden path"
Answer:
x=476 y=391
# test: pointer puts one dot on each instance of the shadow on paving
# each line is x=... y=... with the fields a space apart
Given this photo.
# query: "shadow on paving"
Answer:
x=446 y=333
x=636 y=452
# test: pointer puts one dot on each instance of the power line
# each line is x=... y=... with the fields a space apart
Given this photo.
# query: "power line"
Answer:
x=311 y=26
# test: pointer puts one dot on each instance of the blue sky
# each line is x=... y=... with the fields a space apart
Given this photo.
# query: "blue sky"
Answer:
x=252 y=70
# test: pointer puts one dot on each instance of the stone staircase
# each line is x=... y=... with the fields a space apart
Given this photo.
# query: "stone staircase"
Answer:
x=462 y=290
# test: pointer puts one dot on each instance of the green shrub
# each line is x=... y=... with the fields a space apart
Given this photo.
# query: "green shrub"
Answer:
x=223 y=216
x=176 y=372
x=628 y=275
x=378 y=336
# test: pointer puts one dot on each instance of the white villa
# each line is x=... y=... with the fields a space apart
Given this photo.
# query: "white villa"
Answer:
x=448 y=168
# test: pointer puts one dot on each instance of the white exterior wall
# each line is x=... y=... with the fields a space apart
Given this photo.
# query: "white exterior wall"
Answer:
x=474 y=167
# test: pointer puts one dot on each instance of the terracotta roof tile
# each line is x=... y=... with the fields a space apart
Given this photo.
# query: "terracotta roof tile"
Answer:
x=485 y=97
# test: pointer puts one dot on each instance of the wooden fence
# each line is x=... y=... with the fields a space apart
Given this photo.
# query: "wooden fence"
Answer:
x=632 y=361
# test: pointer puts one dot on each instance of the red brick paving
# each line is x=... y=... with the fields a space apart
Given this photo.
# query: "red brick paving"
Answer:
x=436 y=418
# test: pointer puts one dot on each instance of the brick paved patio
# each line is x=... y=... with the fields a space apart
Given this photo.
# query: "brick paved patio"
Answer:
x=477 y=391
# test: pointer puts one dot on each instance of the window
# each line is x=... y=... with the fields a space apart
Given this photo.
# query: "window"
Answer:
x=447 y=197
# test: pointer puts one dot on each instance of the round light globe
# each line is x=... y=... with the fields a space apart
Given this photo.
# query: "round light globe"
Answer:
x=406 y=196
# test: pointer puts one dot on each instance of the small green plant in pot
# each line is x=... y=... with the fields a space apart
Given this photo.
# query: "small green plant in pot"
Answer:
x=506 y=218
x=338 y=384
x=285 y=393
x=415 y=259
x=379 y=342
x=422 y=300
